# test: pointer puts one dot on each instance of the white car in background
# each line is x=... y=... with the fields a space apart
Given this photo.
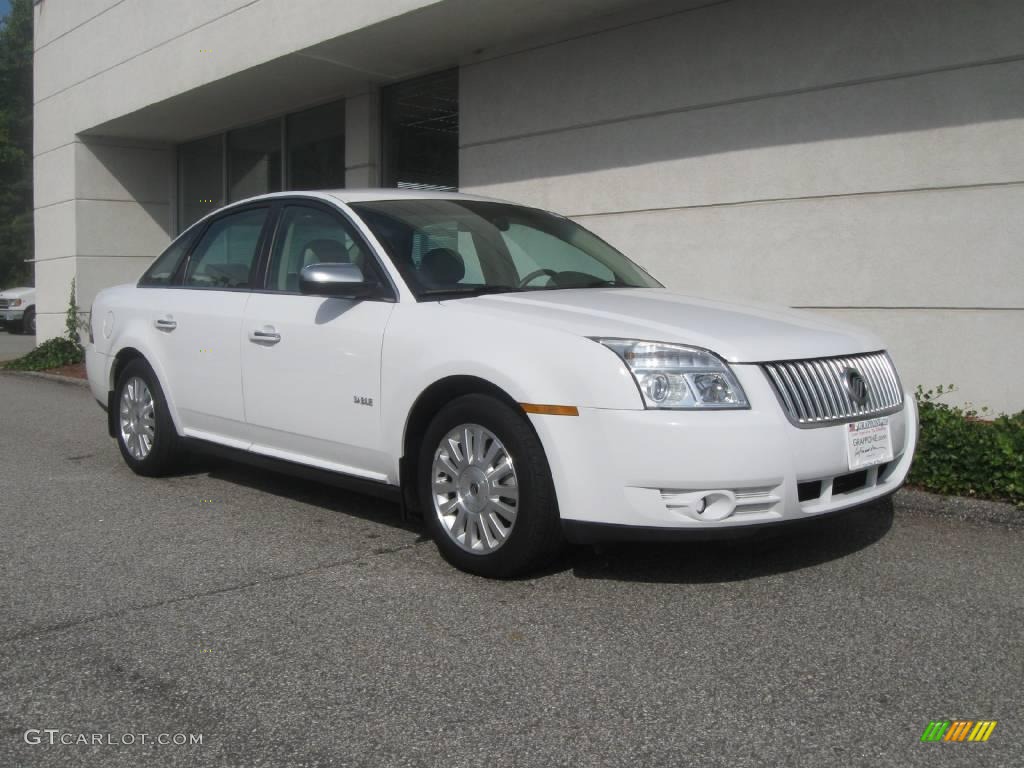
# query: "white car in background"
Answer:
x=18 y=310
x=499 y=370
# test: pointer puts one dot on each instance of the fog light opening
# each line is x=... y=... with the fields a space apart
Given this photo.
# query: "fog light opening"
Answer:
x=717 y=505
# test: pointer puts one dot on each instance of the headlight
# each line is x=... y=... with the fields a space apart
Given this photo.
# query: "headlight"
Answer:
x=16 y=303
x=675 y=376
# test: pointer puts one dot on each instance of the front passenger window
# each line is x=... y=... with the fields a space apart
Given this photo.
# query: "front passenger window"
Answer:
x=312 y=236
x=226 y=255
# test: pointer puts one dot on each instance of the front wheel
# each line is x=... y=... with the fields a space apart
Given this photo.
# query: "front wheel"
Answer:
x=486 y=489
x=145 y=432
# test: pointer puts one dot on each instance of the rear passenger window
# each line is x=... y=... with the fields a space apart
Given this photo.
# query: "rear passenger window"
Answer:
x=226 y=255
x=162 y=271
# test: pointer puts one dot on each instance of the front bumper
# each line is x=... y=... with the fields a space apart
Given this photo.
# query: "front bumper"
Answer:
x=651 y=471
x=11 y=315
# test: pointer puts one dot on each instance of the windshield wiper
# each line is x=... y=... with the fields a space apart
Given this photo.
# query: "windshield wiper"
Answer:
x=461 y=291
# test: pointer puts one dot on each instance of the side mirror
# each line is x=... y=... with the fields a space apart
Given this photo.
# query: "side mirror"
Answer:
x=342 y=281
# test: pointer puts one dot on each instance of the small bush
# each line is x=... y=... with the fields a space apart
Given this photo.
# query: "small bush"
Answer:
x=961 y=454
x=52 y=353
x=56 y=353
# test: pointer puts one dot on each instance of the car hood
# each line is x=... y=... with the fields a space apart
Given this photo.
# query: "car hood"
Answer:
x=740 y=333
x=17 y=293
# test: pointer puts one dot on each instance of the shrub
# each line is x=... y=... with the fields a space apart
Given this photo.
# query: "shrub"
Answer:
x=72 y=319
x=960 y=453
x=58 y=352
x=52 y=353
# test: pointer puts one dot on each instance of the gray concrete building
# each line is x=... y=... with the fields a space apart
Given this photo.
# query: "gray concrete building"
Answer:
x=862 y=158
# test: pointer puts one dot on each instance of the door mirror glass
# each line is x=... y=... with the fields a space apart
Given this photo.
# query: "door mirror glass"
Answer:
x=334 y=279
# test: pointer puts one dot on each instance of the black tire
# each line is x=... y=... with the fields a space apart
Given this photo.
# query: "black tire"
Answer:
x=28 y=322
x=165 y=454
x=536 y=536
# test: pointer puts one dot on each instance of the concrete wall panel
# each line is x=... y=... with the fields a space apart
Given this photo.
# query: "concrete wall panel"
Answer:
x=53 y=288
x=55 y=231
x=731 y=51
x=54 y=19
x=107 y=228
x=117 y=172
x=933 y=131
x=946 y=248
x=97 y=273
x=54 y=177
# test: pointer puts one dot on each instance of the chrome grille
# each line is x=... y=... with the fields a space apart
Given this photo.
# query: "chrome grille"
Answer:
x=5 y=303
x=813 y=394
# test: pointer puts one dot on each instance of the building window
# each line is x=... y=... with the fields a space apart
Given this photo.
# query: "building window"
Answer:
x=420 y=132
x=254 y=160
x=306 y=148
x=200 y=179
x=316 y=148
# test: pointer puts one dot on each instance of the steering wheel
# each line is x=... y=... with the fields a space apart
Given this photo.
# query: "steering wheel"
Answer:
x=535 y=274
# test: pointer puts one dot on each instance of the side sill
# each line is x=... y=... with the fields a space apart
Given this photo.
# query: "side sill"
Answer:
x=348 y=482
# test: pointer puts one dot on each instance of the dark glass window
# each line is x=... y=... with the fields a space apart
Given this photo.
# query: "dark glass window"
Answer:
x=162 y=271
x=316 y=148
x=226 y=254
x=200 y=179
x=465 y=247
x=313 y=236
x=254 y=160
x=420 y=127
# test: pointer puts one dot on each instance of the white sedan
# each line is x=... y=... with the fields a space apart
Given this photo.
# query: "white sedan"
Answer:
x=499 y=370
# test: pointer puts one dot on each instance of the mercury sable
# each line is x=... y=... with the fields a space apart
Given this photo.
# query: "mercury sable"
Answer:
x=499 y=370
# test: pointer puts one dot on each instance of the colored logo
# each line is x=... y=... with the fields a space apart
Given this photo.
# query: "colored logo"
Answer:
x=959 y=730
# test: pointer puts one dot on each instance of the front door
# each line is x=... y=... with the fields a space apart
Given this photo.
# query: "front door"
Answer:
x=311 y=365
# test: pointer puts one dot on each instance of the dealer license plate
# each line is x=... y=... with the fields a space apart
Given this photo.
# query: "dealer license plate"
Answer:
x=868 y=442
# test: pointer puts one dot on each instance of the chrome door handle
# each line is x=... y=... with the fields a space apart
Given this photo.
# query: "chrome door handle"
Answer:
x=265 y=335
x=165 y=323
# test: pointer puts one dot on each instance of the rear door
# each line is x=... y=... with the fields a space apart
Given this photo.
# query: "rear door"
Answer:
x=311 y=365
x=198 y=324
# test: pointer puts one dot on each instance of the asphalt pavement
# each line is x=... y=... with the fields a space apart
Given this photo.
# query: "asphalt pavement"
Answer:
x=14 y=345
x=292 y=624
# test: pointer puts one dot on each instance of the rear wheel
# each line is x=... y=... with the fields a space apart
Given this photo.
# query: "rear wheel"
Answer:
x=28 y=321
x=145 y=432
x=486 y=489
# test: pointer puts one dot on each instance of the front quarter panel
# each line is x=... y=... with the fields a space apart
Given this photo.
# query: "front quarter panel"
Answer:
x=430 y=341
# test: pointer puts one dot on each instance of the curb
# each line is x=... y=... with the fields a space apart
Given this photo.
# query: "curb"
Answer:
x=962 y=508
x=47 y=376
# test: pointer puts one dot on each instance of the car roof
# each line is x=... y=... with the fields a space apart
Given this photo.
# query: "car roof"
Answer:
x=345 y=196
x=371 y=194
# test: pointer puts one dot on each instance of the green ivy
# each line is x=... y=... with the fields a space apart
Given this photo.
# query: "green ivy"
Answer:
x=52 y=353
x=960 y=453
x=58 y=352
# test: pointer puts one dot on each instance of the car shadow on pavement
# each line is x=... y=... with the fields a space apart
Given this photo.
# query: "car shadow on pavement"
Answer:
x=762 y=554
x=318 y=494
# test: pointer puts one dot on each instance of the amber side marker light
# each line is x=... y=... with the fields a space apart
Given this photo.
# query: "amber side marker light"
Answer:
x=550 y=410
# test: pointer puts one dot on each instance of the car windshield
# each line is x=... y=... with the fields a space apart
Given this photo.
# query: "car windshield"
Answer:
x=451 y=248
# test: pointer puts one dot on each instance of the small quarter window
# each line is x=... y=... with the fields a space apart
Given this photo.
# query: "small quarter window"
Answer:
x=162 y=271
